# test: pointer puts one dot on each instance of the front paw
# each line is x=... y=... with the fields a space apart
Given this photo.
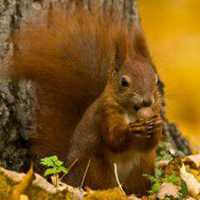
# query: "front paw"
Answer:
x=145 y=128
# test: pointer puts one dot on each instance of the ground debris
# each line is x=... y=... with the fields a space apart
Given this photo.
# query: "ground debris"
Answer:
x=168 y=189
x=177 y=179
x=191 y=181
x=193 y=160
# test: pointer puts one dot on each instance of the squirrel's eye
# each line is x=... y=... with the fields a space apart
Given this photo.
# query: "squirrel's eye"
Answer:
x=125 y=81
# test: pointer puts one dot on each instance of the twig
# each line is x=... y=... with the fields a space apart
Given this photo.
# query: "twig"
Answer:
x=85 y=173
x=70 y=167
x=73 y=163
x=117 y=178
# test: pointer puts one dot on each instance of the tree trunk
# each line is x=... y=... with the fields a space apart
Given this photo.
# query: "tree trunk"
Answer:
x=17 y=100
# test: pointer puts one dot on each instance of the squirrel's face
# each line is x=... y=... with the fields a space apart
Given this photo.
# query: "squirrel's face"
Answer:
x=136 y=85
x=136 y=90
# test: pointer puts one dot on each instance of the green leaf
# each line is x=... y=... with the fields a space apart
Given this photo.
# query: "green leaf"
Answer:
x=48 y=161
x=58 y=163
x=64 y=170
x=163 y=151
x=50 y=171
x=155 y=187
x=183 y=192
x=152 y=179
x=159 y=173
x=51 y=161
x=172 y=179
x=54 y=165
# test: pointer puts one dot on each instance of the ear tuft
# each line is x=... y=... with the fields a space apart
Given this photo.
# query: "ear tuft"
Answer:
x=120 y=52
x=140 y=44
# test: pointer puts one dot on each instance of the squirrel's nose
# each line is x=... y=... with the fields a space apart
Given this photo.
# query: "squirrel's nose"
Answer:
x=144 y=102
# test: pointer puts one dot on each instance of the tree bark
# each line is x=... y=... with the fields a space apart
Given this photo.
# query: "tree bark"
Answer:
x=17 y=100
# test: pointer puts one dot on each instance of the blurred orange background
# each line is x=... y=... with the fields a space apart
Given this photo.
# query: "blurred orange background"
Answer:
x=172 y=29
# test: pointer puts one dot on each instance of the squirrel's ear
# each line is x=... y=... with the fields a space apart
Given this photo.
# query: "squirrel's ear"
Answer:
x=120 y=54
x=139 y=42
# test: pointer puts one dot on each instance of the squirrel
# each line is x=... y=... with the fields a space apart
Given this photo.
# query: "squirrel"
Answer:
x=98 y=95
x=122 y=127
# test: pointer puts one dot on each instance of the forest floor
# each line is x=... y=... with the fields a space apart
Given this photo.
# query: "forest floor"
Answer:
x=176 y=178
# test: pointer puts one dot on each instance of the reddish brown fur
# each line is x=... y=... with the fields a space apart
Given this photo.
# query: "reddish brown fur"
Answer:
x=70 y=62
x=64 y=59
x=106 y=138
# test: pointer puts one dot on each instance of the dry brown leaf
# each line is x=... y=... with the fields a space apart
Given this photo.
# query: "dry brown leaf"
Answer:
x=162 y=163
x=192 y=183
x=24 y=197
x=21 y=187
x=133 y=197
x=168 y=189
x=14 y=176
x=190 y=198
x=193 y=160
x=42 y=183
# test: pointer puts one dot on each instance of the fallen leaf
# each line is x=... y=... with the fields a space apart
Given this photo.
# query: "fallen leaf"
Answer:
x=162 y=163
x=42 y=183
x=190 y=198
x=192 y=183
x=23 y=197
x=193 y=160
x=133 y=197
x=14 y=176
x=168 y=189
x=20 y=188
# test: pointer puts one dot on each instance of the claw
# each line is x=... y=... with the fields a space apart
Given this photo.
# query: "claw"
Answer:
x=150 y=127
x=136 y=125
x=138 y=129
x=142 y=128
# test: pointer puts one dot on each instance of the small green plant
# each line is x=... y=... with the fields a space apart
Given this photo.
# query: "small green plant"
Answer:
x=156 y=180
x=183 y=192
x=163 y=152
x=159 y=178
x=172 y=179
x=55 y=167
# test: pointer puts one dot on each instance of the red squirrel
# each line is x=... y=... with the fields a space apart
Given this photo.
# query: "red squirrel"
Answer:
x=122 y=127
x=98 y=95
